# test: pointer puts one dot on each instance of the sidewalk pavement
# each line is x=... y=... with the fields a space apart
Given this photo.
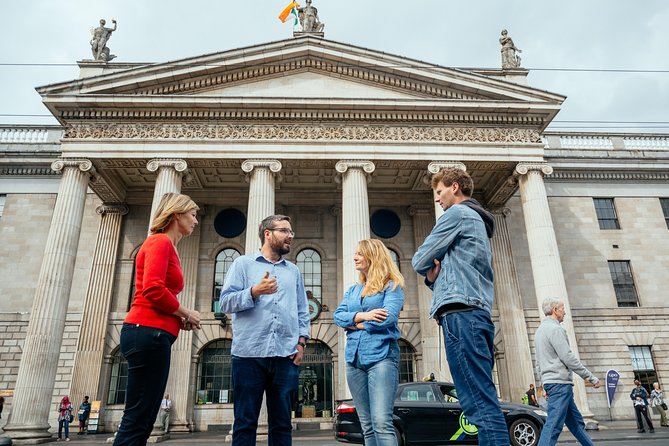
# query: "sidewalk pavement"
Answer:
x=609 y=431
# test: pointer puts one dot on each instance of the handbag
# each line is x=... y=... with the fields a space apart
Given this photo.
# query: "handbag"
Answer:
x=664 y=406
x=71 y=417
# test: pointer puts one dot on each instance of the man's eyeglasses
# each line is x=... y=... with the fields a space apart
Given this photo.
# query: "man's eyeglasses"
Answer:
x=284 y=230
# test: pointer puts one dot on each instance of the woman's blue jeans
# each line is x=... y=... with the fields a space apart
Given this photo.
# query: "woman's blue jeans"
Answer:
x=66 y=424
x=468 y=336
x=147 y=351
x=373 y=388
x=253 y=377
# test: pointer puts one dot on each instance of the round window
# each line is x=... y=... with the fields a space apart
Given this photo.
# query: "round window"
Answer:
x=385 y=223
x=229 y=223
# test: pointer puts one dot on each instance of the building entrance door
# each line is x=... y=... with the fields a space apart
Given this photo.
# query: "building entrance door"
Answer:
x=315 y=389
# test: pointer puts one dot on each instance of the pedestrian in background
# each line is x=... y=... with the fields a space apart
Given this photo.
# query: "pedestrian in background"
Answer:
x=657 y=398
x=456 y=261
x=164 y=415
x=83 y=414
x=369 y=312
x=64 y=418
x=556 y=363
x=155 y=317
x=639 y=397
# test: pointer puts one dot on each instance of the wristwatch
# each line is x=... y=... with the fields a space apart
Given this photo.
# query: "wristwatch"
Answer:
x=302 y=344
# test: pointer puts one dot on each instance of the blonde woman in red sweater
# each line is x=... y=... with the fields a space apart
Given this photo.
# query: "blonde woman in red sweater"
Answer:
x=156 y=317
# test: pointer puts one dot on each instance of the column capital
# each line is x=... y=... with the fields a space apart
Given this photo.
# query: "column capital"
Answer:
x=343 y=165
x=178 y=164
x=112 y=208
x=436 y=166
x=85 y=165
x=273 y=165
x=416 y=210
x=525 y=168
x=501 y=211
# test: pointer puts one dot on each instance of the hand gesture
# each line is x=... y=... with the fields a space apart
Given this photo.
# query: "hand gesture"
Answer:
x=433 y=272
x=376 y=315
x=192 y=321
x=266 y=286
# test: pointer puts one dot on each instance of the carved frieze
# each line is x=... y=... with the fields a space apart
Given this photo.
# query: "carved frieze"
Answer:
x=148 y=131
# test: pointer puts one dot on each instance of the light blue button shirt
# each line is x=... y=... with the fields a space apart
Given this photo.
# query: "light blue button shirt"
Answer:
x=271 y=325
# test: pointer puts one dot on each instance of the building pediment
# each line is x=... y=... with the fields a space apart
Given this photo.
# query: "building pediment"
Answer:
x=305 y=73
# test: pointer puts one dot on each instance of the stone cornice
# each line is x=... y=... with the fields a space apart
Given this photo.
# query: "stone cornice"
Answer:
x=441 y=113
x=27 y=171
x=298 y=132
x=608 y=176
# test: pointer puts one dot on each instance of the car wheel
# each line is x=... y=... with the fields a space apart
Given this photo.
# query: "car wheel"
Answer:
x=524 y=432
x=398 y=435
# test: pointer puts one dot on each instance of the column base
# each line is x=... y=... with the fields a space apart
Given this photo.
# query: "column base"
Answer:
x=158 y=438
x=262 y=433
x=180 y=427
x=28 y=434
x=591 y=424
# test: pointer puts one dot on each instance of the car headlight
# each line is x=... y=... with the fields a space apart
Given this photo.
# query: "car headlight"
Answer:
x=541 y=413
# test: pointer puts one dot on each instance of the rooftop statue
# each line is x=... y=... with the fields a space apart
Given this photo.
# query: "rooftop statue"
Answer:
x=509 y=57
x=99 y=41
x=308 y=17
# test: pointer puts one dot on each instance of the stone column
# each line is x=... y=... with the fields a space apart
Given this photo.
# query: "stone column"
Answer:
x=355 y=227
x=178 y=384
x=28 y=420
x=434 y=353
x=435 y=167
x=92 y=334
x=261 y=176
x=544 y=255
x=170 y=174
x=517 y=355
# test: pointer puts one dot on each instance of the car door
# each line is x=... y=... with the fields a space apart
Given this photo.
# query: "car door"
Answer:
x=422 y=413
x=458 y=428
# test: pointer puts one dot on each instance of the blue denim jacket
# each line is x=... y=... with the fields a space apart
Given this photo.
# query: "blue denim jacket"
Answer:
x=459 y=240
x=372 y=343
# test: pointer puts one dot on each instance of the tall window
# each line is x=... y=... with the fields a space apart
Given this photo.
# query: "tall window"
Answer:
x=214 y=380
x=407 y=362
x=395 y=257
x=664 y=202
x=224 y=260
x=309 y=262
x=606 y=213
x=118 y=380
x=623 y=283
x=315 y=391
x=643 y=366
x=3 y=198
x=133 y=284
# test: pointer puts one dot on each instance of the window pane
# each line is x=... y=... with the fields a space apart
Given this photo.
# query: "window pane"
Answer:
x=224 y=260
x=643 y=365
x=606 y=213
x=214 y=381
x=623 y=283
x=407 y=362
x=664 y=202
x=309 y=263
x=395 y=257
x=118 y=379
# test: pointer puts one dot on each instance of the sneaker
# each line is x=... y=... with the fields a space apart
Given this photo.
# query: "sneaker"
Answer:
x=67 y=439
x=640 y=431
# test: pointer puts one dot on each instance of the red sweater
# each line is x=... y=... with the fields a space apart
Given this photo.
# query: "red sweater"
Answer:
x=158 y=280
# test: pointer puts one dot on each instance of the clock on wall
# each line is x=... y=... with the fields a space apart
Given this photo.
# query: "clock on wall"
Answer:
x=314 y=308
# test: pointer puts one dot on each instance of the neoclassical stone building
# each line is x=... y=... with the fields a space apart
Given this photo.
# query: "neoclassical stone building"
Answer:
x=343 y=139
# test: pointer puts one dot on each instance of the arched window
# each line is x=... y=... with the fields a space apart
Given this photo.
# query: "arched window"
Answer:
x=395 y=257
x=118 y=379
x=407 y=362
x=131 y=298
x=309 y=262
x=223 y=261
x=214 y=377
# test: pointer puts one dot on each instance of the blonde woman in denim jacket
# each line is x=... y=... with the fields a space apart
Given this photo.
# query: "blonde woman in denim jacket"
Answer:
x=369 y=313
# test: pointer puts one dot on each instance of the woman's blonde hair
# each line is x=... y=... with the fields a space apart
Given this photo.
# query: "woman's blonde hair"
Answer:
x=381 y=270
x=170 y=204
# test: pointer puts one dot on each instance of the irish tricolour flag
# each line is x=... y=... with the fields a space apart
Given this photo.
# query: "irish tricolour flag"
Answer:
x=288 y=10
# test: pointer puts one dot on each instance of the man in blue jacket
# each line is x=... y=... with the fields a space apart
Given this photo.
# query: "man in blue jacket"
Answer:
x=456 y=260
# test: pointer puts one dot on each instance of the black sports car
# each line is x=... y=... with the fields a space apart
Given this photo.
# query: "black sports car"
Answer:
x=429 y=413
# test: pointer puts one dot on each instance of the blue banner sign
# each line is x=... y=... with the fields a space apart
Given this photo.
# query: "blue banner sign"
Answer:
x=612 y=378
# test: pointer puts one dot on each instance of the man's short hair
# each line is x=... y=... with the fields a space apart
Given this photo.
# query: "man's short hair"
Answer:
x=268 y=223
x=549 y=304
x=450 y=175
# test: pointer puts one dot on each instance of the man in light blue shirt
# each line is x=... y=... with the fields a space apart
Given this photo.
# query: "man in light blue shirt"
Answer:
x=270 y=327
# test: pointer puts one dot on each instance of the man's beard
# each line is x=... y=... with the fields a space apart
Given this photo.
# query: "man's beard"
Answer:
x=279 y=248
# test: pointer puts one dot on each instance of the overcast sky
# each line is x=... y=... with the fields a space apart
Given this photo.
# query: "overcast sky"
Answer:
x=564 y=34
